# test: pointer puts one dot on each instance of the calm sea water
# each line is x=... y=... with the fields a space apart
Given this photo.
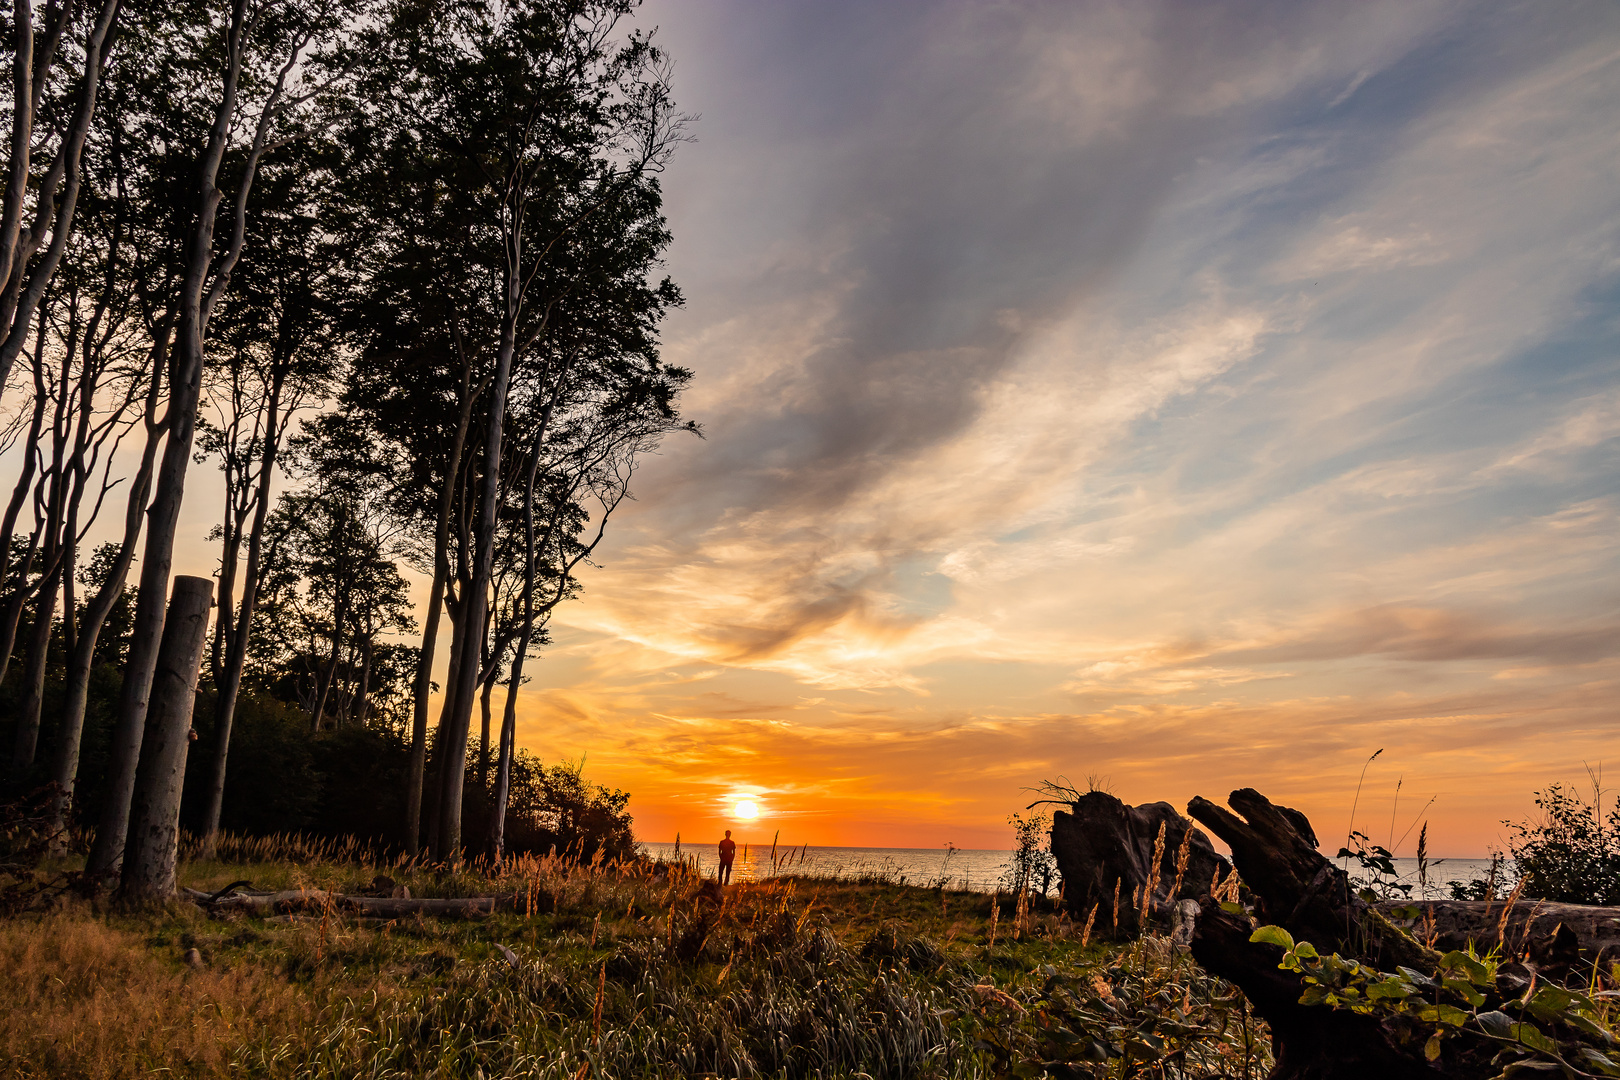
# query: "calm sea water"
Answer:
x=979 y=870
x=964 y=868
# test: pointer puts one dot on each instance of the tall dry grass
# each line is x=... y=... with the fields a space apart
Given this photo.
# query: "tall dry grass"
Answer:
x=86 y=999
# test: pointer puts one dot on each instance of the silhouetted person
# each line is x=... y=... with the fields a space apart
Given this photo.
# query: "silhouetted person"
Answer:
x=728 y=851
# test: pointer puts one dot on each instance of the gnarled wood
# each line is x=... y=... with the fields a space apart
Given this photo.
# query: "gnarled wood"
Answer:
x=1295 y=887
x=1101 y=843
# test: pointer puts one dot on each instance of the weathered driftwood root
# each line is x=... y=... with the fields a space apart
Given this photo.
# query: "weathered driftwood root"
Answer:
x=315 y=901
x=1101 y=845
x=1296 y=888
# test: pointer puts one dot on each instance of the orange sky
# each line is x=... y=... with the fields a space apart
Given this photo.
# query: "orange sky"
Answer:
x=1087 y=395
x=1186 y=396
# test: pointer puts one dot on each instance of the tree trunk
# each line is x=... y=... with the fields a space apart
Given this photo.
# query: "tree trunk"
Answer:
x=339 y=615
x=363 y=691
x=39 y=644
x=485 y=693
x=185 y=383
x=1104 y=850
x=1295 y=887
x=430 y=628
x=436 y=796
x=503 y=769
x=476 y=595
x=64 y=174
x=77 y=681
x=154 y=833
x=229 y=685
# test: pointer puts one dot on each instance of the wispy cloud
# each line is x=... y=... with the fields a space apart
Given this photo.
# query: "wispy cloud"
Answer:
x=1200 y=393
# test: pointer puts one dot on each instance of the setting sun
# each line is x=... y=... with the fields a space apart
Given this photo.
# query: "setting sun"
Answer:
x=746 y=810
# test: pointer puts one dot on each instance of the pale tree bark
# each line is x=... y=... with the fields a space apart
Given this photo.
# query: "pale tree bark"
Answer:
x=48 y=504
x=533 y=616
x=430 y=627
x=340 y=616
x=57 y=193
x=460 y=698
x=65 y=763
x=228 y=682
x=17 y=597
x=195 y=305
x=154 y=829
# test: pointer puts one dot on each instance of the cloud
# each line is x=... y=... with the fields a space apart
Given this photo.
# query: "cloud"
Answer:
x=1123 y=383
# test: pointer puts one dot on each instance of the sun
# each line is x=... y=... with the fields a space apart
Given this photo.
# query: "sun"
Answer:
x=747 y=810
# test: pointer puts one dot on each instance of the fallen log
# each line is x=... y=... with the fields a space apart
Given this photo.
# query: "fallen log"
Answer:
x=1548 y=935
x=1104 y=850
x=306 y=901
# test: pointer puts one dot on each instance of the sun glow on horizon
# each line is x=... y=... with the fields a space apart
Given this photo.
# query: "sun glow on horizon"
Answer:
x=746 y=809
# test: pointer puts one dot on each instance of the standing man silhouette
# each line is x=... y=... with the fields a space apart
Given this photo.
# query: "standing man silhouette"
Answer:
x=728 y=851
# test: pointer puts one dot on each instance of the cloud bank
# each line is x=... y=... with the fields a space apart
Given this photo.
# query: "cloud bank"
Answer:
x=1194 y=394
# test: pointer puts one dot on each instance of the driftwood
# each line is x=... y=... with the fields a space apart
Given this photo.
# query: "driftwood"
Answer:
x=1101 y=845
x=1551 y=936
x=1295 y=887
x=316 y=901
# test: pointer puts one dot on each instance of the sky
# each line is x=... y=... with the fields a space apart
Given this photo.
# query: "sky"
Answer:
x=1166 y=397
x=1172 y=397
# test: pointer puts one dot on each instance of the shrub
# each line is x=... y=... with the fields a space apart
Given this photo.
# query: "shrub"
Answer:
x=1570 y=854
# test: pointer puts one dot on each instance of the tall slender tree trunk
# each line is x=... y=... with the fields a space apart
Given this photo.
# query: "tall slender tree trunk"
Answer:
x=476 y=599
x=185 y=382
x=362 y=693
x=76 y=689
x=58 y=190
x=33 y=703
x=441 y=731
x=490 y=666
x=340 y=615
x=154 y=832
x=430 y=628
x=11 y=612
x=503 y=768
x=229 y=684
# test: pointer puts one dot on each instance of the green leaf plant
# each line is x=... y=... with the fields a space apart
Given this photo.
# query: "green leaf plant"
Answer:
x=1542 y=1028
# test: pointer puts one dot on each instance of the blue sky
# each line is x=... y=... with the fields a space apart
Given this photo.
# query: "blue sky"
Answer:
x=1193 y=395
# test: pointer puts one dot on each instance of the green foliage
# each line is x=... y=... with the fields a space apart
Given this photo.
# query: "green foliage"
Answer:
x=1031 y=865
x=553 y=808
x=1380 y=880
x=1141 y=1013
x=1493 y=886
x=1570 y=853
x=1539 y=1027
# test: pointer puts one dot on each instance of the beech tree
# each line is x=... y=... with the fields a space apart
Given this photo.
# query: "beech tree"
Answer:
x=32 y=244
x=260 y=77
x=518 y=131
x=280 y=357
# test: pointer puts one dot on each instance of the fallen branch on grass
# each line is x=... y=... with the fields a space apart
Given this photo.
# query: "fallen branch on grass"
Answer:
x=305 y=901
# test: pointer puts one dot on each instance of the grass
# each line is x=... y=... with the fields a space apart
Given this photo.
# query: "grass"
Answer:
x=625 y=972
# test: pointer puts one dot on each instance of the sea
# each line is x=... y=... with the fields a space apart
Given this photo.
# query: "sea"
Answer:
x=985 y=869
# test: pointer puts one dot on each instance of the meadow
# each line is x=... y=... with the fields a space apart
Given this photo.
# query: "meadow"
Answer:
x=624 y=970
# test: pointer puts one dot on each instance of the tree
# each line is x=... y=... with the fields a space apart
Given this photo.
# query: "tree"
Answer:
x=530 y=137
x=332 y=585
x=29 y=256
x=279 y=359
x=259 y=49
